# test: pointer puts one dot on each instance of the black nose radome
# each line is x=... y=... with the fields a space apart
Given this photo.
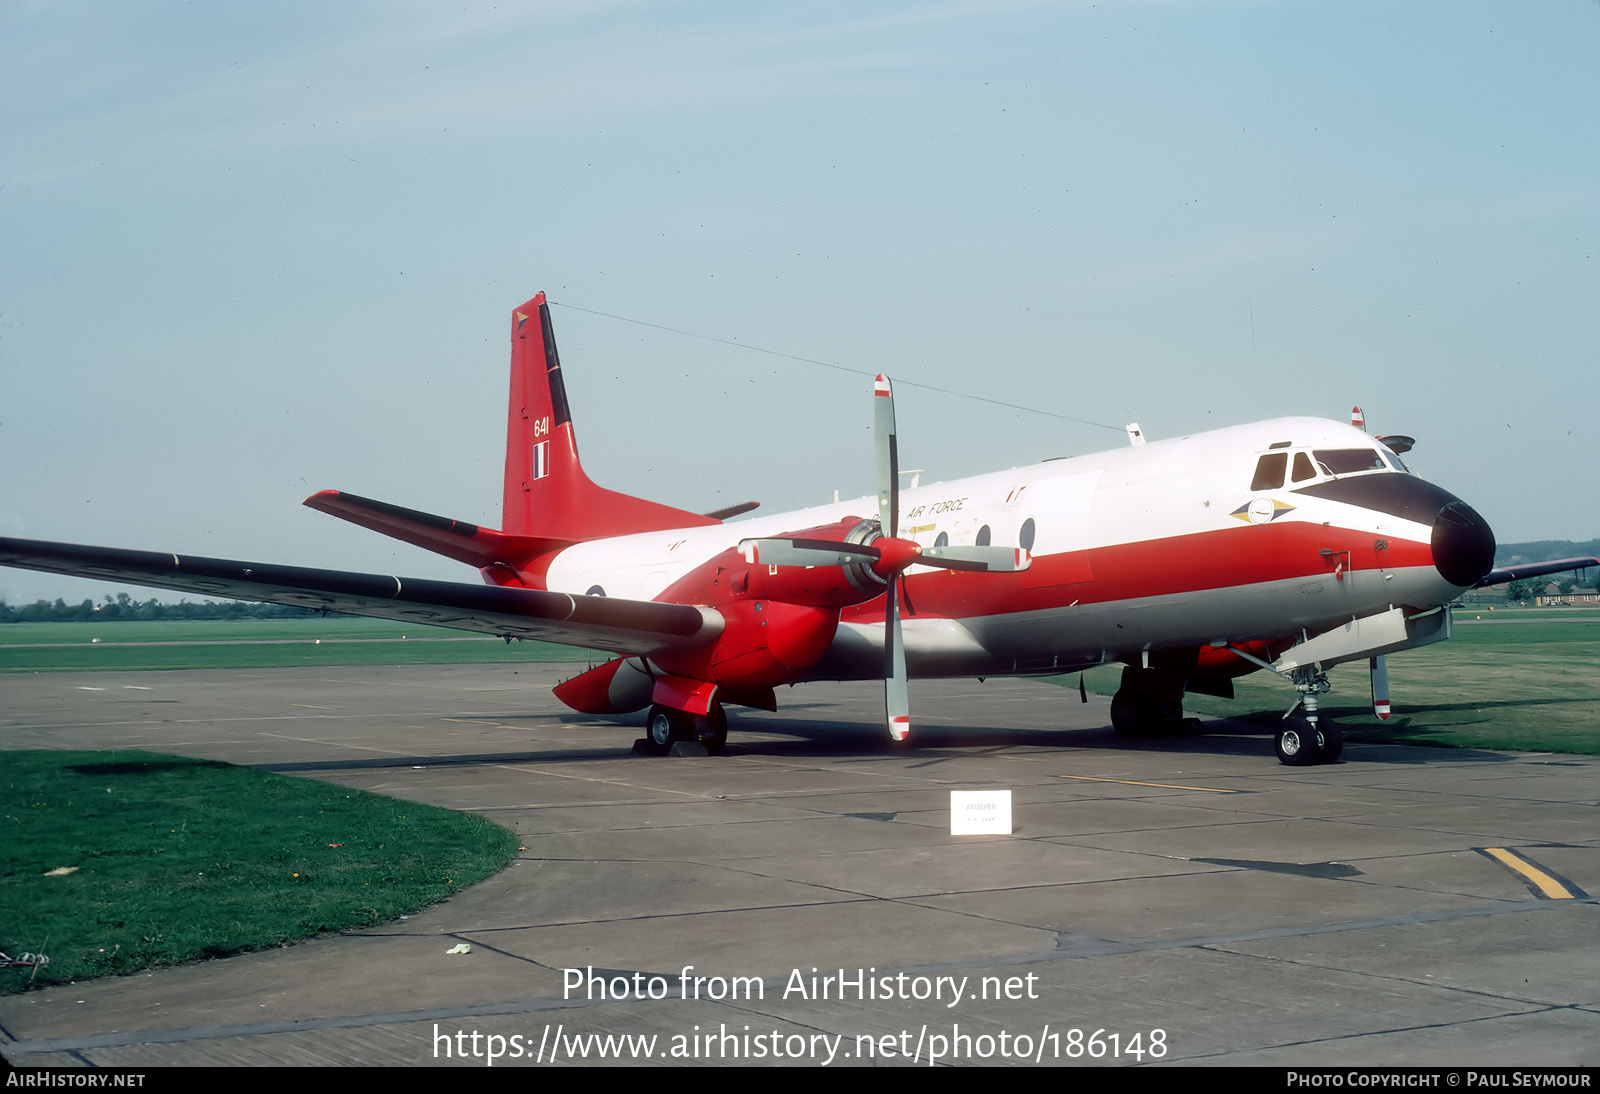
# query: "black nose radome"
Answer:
x=1463 y=545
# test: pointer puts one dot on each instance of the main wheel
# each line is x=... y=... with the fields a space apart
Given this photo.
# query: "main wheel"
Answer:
x=1135 y=713
x=664 y=726
x=1299 y=744
x=713 y=729
x=1330 y=741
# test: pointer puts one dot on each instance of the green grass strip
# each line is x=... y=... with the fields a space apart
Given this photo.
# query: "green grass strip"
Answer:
x=116 y=861
x=1524 y=681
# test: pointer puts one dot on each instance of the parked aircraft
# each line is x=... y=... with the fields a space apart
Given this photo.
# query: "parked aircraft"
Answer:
x=1289 y=545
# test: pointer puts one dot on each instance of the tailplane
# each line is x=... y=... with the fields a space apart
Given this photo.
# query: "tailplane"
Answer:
x=496 y=553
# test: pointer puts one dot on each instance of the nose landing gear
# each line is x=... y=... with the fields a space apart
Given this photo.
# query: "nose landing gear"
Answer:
x=1308 y=738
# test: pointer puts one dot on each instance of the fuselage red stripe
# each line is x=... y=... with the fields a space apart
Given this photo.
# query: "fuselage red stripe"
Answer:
x=1219 y=559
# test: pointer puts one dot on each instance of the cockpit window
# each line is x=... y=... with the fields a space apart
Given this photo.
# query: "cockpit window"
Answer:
x=1349 y=461
x=1302 y=467
x=1269 y=471
x=1393 y=461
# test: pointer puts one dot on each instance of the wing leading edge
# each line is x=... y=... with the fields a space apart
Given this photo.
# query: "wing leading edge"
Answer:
x=596 y=622
x=1534 y=569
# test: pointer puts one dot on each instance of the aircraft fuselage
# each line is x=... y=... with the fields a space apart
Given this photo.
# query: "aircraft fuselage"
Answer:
x=1177 y=543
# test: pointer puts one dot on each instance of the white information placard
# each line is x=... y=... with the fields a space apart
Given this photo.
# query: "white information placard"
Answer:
x=980 y=812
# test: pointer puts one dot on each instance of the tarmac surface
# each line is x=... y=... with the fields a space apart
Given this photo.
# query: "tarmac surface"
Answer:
x=1183 y=901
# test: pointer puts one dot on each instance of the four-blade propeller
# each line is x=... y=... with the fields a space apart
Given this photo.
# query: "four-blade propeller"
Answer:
x=886 y=555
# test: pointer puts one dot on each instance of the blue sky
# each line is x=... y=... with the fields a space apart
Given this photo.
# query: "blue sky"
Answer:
x=250 y=252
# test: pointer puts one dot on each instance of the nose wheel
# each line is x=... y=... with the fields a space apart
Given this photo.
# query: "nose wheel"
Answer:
x=1305 y=743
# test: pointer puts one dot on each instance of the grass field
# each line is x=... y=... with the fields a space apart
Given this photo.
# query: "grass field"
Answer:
x=1523 y=679
x=118 y=861
x=274 y=643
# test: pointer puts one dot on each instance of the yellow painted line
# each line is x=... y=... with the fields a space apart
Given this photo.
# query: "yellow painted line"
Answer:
x=309 y=706
x=1549 y=886
x=1163 y=786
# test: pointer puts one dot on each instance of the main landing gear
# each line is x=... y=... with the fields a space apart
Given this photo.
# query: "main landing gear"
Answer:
x=669 y=731
x=1148 y=703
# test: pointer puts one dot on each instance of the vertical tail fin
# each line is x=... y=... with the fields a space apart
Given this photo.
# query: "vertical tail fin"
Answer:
x=547 y=493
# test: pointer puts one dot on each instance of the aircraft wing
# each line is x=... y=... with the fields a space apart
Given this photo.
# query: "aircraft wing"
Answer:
x=1534 y=569
x=596 y=622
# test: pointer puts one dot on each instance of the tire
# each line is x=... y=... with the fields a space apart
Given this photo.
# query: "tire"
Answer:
x=663 y=727
x=1298 y=745
x=712 y=730
x=1330 y=741
x=1134 y=714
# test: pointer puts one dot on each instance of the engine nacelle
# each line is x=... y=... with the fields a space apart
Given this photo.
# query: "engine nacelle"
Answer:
x=615 y=687
x=763 y=643
x=777 y=620
x=728 y=577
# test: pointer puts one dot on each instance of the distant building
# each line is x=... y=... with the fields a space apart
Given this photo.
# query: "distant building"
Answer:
x=1552 y=597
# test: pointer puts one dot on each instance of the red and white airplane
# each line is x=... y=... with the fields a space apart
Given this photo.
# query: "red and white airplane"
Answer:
x=1290 y=545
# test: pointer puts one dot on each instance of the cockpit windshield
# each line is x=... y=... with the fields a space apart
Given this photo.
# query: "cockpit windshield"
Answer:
x=1348 y=461
x=1291 y=468
x=1393 y=460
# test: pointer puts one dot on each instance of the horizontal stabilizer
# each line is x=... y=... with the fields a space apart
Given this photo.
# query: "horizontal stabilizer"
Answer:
x=731 y=511
x=480 y=547
x=596 y=622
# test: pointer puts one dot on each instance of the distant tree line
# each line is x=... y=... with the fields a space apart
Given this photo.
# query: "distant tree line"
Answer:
x=1536 y=586
x=123 y=606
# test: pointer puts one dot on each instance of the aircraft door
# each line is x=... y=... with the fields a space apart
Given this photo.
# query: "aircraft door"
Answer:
x=1058 y=509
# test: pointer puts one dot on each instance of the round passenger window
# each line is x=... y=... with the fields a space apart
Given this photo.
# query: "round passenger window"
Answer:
x=595 y=590
x=943 y=540
x=1025 y=536
x=983 y=536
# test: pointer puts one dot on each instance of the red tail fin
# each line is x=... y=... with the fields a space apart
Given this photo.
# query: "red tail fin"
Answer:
x=547 y=493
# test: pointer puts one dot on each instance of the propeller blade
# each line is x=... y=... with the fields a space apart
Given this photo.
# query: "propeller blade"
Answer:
x=804 y=552
x=1380 y=687
x=896 y=697
x=994 y=560
x=888 y=456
